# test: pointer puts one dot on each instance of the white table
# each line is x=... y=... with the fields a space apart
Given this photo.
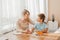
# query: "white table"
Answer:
x=57 y=31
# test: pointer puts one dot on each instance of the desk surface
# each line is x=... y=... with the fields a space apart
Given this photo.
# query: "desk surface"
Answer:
x=49 y=36
x=57 y=31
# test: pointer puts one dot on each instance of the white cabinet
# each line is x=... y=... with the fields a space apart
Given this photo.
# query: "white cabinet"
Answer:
x=52 y=26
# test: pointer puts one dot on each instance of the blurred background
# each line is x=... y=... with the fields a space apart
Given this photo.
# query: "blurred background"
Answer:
x=11 y=11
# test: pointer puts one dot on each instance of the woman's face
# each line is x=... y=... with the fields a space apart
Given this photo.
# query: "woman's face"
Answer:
x=26 y=16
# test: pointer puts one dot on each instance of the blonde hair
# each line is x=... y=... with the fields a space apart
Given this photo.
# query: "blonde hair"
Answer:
x=25 y=12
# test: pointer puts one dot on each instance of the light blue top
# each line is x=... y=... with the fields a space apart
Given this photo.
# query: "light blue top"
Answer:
x=40 y=27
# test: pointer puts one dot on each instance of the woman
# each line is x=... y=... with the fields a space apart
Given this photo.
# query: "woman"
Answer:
x=23 y=24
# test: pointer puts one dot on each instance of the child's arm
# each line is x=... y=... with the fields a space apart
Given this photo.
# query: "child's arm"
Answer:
x=45 y=30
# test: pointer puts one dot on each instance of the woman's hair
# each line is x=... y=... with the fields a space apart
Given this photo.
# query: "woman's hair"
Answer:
x=25 y=12
x=42 y=16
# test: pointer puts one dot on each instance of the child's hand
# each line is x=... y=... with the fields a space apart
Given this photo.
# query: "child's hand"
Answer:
x=39 y=32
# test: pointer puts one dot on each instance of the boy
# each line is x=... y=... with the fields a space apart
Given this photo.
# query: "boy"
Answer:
x=40 y=25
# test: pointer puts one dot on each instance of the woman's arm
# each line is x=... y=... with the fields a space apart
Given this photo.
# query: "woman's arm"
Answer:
x=31 y=21
x=19 y=24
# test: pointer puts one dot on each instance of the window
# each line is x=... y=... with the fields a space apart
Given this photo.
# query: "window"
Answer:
x=37 y=6
x=11 y=9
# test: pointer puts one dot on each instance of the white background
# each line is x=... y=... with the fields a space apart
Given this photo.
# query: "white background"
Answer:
x=11 y=10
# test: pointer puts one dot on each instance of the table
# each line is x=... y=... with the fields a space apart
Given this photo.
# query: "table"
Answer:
x=49 y=36
x=57 y=31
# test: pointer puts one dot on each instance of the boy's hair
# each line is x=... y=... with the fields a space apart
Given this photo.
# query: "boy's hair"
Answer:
x=42 y=16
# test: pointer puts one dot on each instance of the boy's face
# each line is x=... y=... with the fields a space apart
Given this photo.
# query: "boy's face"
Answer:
x=39 y=19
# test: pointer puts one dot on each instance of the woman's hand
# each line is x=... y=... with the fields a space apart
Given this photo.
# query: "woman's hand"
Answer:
x=28 y=32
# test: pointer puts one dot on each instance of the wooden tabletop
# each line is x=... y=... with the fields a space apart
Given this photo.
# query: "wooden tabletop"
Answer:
x=48 y=36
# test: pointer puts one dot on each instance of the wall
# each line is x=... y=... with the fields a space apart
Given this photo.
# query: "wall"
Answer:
x=54 y=8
